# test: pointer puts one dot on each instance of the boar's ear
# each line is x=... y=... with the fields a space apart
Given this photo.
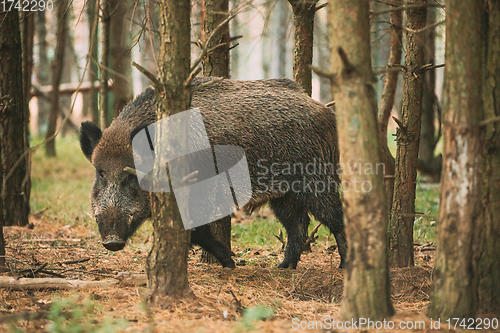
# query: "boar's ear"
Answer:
x=90 y=135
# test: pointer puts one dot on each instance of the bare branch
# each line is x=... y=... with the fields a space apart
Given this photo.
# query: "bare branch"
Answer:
x=405 y=7
x=148 y=74
x=321 y=6
x=348 y=67
x=425 y=28
x=329 y=75
x=191 y=76
x=209 y=83
x=489 y=120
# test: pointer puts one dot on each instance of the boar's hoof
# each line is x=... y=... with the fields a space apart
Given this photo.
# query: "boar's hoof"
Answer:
x=114 y=244
x=286 y=264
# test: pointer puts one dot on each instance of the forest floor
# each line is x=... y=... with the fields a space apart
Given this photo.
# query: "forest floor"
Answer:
x=255 y=296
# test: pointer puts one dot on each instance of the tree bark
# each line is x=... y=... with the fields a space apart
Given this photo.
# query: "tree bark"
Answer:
x=303 y=22
x=42 y=70
x=167 y=261
x=217 y=64
x=28 y=34
x=282 y=34
x=366 y=286
x=427 y=162
x=57 y=67
x=120 y=49
x=408 y=134
x=93 y=69
x=103 y=70
x=489 y=247
x=454 y=287
x=12 y=123
x=387 y=103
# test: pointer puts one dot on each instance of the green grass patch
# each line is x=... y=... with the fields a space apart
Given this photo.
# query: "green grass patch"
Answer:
x=61 y=185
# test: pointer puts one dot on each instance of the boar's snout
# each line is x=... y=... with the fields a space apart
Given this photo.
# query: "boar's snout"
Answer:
x=113 y=243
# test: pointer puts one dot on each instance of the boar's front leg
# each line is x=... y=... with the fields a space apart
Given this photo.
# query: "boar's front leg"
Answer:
x=203 y=237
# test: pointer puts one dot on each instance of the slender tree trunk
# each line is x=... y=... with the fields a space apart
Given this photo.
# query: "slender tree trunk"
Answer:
x=104 y=75
x=454 y=287
x=217 y=64
x=303 y=22
x=167 y=261
x=427 y=162
x=57 y=67
x=12 y=123
x=92 y=10
x=366 y=288
x=235 y=52
x=403 y=204
x=387 y=103
x=27 y=36
x=120 y=54
x=322 y=25
x=42 y=70
x=489 y=247
x=282 y=33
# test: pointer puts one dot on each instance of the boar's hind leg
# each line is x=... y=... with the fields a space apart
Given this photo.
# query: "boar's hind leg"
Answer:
x=328 y=210
x=292 y=215
x=203 y=237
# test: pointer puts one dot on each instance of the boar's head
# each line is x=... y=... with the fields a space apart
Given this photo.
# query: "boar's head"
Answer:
x=119 y=205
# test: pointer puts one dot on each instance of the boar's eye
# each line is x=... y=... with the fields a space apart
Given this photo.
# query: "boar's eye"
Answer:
x=100 y=174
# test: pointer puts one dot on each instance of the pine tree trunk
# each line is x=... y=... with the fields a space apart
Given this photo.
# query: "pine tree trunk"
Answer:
x=366 y=286
x=28 y=34
x=489 y=246
x=217 y=64
x=93 y=20
x=454 y=287
x=282 y=33
x=103 y=70
x=387 y=103
x=167 y=261
x=303 y=22
x=42 y=70
x=403 y=204
x=57 y=67
x=427 y=162
x=120 y=54
x=12 y=123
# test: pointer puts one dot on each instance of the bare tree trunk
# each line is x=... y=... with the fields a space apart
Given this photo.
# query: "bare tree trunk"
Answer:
x=13 y=121
x=104 y=75
x=235 y=52
x=121 y=54
x=282 y=33
x=167 y=262
x=454 y=288
x=27 y=36
x=387 y=103
x=408 y=134
x=489 y=247
x=93 y=19
x=303 y=21
x=366 y=284
x=322 y=25
x=217 y=64
x=42 y=70
x=57 y=67
x=427 y=162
